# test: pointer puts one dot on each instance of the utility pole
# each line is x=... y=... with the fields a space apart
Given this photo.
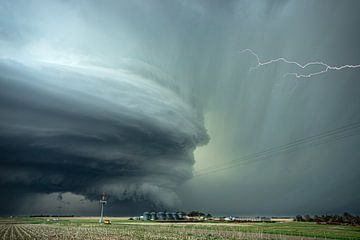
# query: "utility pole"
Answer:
x=102 y=202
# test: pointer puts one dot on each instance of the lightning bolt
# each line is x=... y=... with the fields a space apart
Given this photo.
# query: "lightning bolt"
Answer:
x=325 y=67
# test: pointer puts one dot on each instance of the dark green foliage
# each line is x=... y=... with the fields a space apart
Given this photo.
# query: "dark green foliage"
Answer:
x=346 y=218
x=196 y=214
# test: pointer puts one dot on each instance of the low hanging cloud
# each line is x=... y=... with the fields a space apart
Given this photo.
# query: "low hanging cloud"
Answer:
x=88 y=130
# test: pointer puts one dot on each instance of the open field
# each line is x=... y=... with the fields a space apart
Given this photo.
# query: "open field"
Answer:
x=88 y=228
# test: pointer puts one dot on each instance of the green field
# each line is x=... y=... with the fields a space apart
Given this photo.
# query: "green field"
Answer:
x=79 y=228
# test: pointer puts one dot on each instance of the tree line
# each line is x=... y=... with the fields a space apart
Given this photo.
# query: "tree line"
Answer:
x=345 y=218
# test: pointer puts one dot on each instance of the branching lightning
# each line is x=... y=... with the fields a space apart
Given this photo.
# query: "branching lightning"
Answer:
x=325 y=66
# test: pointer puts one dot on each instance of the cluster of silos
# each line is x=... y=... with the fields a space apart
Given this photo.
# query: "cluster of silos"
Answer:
x=163 y=216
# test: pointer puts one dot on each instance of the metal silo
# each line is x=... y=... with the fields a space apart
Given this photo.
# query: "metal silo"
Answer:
x=161 y=216
x=175 y=216
x=153 y=216
x=169 y=216
x=181 y=215
x=146 y=216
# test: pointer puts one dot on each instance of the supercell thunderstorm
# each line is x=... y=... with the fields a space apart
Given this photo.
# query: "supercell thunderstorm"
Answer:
x=87 y=130
x=115 y=97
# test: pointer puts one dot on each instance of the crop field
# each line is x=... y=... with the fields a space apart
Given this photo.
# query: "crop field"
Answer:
x=31 y=228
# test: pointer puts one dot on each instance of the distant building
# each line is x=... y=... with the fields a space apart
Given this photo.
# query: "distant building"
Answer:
x=153 y=216
x=181 y=215
x=169 y=216
x=146 y=216
x=162 y=216
x=282 y=219
x=251 y=219
x=175 y=216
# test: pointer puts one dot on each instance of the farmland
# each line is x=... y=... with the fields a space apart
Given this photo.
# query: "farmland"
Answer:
x=82 y=228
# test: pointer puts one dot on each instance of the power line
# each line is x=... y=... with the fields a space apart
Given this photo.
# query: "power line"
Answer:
x=263 y=157
x=299 y=141
x=304 y=142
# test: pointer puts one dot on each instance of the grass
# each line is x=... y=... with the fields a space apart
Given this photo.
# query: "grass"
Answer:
x=125 y=229
x=296 y=229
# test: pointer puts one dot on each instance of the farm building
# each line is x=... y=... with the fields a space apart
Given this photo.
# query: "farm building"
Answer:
x=249 y=219
x=162 y=216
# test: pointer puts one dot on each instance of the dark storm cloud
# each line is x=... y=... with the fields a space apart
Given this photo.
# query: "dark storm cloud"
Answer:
x=73 y=130
x=113 y=97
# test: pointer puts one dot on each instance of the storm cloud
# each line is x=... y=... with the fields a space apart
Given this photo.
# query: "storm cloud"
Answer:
x=88 y=131
x=118 y=97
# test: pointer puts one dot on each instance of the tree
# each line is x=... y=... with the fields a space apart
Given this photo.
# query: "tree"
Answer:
x=317 y=219
x=196 y=214
x=307 y=218
x=299 y=218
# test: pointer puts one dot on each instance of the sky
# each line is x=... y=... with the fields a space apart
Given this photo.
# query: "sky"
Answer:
x=179 y=105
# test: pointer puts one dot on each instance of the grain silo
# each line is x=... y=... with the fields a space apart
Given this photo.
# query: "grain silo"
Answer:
x=146 y=216
x=175 y=216
x=181 y=215
x=153 y=216
x=161 y=216
x=169 y=216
